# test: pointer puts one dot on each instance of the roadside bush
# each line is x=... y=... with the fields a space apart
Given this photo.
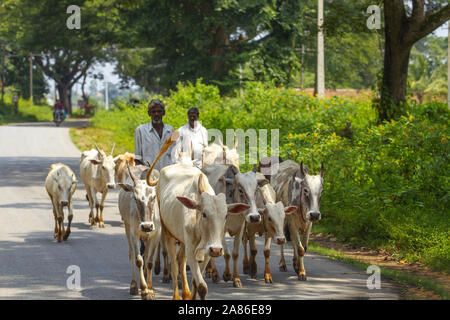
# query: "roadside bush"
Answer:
x=385 y=185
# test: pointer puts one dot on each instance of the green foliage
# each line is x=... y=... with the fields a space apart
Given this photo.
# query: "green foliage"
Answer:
x=386 y=186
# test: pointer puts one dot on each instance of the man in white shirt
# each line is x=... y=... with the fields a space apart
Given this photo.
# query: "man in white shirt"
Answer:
x=149 y=137
x=193 y=138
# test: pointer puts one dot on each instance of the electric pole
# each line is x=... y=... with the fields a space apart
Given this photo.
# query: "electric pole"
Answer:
x=320 y=53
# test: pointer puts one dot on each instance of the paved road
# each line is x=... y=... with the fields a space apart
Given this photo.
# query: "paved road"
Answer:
x=33 y=265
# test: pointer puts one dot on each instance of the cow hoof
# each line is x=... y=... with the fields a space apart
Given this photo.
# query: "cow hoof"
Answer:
x=237 y=283
x=283 y=268
x=215 y=277
x=101 y=224
x=149 y=295
x=246 y=269
x=186 y=295
x=227 y=276
x=134 y=291
x=268 y=279
x=302 y=277
x=66 y=236
x=208 y=274
x=166 y=279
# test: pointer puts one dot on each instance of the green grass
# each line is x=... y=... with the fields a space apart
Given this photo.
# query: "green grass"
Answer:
x=403 y=278
x=27 y=111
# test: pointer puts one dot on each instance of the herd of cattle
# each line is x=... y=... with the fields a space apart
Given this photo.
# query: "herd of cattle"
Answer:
x=184 y=212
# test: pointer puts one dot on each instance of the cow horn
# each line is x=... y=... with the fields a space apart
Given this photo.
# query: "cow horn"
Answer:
x=224 y=155
x=112 y=150
x=99 y=151
x=170 y=140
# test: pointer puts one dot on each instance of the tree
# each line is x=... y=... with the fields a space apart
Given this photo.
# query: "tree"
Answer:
x=404 y=26
x=65 y=54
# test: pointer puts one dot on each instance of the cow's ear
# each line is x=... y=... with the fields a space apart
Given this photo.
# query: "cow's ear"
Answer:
x=95 y=161
x=116 y=158
x=237 y=208
x=290 y=209
x=188 y=203
x=125 y=186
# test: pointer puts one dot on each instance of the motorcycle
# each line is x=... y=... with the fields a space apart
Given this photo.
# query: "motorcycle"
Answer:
x=58 y=117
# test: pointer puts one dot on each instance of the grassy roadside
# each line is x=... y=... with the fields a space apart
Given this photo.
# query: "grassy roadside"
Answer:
x=415 y=286
x=85 y=138
x=27 y=111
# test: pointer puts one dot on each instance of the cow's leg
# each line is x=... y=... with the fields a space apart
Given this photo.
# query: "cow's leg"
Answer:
x=101 y=206
x=140 y=265
x=253 y=252
x=226 y=273
x=235 y=254
x=282 y=264
x=166 y=274
x=60 y=214
x=267 y=275
x=151 y=247
x=171 y=247
x=55 y=215
x=158 y=259
x=132 y=253
x=303 y=245
x=185 y=293
x=198 y=283
x=299 y=252
x=92 y=196
x=209 y=270
x=245 y=261
x=69 y=218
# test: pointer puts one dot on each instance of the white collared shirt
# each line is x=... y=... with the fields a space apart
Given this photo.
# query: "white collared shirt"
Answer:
x=147 y=145
x=195 y=138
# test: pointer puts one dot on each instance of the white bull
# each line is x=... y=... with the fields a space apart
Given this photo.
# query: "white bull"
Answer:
x=271 y=227
x=295 y=186
x=192 y=214
x=140 y=213
x=60 y=184
x=97 y=172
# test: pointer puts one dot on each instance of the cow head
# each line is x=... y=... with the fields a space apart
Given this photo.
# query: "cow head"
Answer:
x=211 y=212
x=274 y=215
x=245 y=187
x=107 y=166
x=66 y=185
x=143 y=200
x=305 y=191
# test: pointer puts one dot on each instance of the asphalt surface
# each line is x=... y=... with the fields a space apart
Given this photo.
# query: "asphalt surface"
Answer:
x=33 y=265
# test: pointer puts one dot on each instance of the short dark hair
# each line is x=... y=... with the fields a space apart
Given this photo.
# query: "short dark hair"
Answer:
x=156 y=102
x=193 y=110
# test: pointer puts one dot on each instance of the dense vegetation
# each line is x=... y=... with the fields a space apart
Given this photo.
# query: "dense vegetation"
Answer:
x=27 y=111
x=385 y=185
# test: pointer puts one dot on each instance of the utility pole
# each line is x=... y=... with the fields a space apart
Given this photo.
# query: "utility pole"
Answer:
x=3 y=72
x=320 y=53
x=303 y=65
x=448 y=66
x=31 y=76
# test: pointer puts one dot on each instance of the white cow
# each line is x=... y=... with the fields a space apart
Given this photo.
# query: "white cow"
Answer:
x=239 y=187
x=192 y=214
x=97 y=172
x=272 y=227
x=295 y=186
x=139 y=210
x=218 y=153
x=60 y=184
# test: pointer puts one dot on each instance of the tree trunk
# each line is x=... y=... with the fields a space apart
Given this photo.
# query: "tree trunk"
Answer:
x=395 y=75
x=65 y=97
